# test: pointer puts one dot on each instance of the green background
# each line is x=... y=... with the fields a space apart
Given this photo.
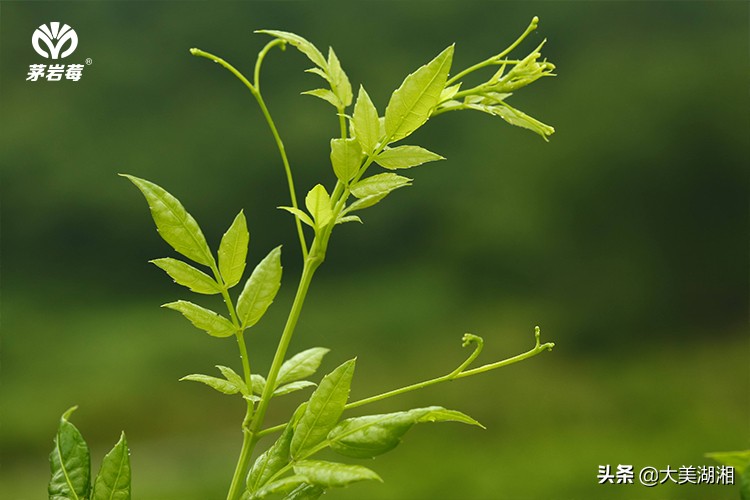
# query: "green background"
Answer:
x=624 y=238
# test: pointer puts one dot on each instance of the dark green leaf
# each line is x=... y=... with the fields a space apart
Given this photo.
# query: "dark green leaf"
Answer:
x=323 y=410
x=301 y=365
x=346 y=158
x=366 y=123
x=233 y=251
x=339 y=81
x=301 y=44
x=412 y=103
x=405 y=157
x=175 y=225
x=300 y=215
x=260 y=289
x=221 y=385
x=204 y=319
x=271 y=461
x=70 y=463
x=306 y=492
x=186 y=275
x=332 y=474
x=292 y=387
x=379 y=184
x=318 y=203
x=113 y=480
x=372 y=435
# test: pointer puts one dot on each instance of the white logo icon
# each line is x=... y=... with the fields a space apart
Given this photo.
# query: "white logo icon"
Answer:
x=55 y=38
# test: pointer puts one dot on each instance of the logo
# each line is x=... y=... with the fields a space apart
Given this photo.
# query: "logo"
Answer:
x=55 y=41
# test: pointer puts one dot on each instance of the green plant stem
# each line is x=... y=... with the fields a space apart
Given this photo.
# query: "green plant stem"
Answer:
x=538 y=349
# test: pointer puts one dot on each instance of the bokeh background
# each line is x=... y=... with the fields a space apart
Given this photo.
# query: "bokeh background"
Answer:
x=624 y=238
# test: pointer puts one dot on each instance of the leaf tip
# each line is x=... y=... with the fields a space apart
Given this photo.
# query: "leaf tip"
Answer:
x=68 y=412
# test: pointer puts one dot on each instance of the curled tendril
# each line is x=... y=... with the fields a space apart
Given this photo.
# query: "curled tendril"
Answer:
x=537 y=333
x=469 y=339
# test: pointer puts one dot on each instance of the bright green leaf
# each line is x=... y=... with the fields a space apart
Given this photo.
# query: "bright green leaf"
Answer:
x=366 y=123
x=260 y=289
x=412 y=103
x=365 y=202
x=300 y=215
x=339 y=81
x=301 y=365
x=233 y=251
x=372 y=435
x=348 y=218
x=740 y=460
x=332 y=474
x=307 y=492
x=70 y=463
x=259 y=383
x=175 y=225
x=379 y=184
x=186 y=275
x=280 y=486
x=321 y=73
x=318 y=203
x=271 y=461
x=448 y=92
x=113 y=480
x=221 y=385
x=301 y=44
x=292 y=387
x=517 y=118
x=346 y=158
x=324 y=94
x=405 y=157
x=204 y=319
x=234 y=378
x=323 y=410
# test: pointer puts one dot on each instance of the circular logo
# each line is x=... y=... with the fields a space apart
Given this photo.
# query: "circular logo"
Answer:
x=55 y=39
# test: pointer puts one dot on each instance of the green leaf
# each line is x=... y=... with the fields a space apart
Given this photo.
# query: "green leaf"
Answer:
x=204 y=319
x=365 y=202
x=379 y=184
x=301 y=44
x=740 y=460
x=113 y=480
x=186 y=275
x=448 y=92
x=323 y=410
x=366 y=123
x=300 y=215
x=745 y=485
x=175 y=225
x=233 y=251
x=234 y=379
x=516 y=117
x=292 y=387
x=346 y=158
x=221 y=385
x=259 y=383
x=271 y=461
x=324 y=94
x=339 y=81
x=405 y=157
x=348 y=218
x=301 y=365
x=260 y=289
x=306 y=492
x=70 y=463
x=332 y=474
x=284 y=485
x=318 y=203
x=321 y=73
x=413 y=102
x=372 y=435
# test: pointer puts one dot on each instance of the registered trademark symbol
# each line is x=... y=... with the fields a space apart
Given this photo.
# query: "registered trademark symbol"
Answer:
x=89 y=61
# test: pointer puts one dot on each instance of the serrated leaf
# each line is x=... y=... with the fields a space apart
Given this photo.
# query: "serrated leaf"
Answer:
x=339 y=81
x=260 y=289
x=292 y=387
x=348 y=218
x=301 y=44
x=332 y=474
x=366 y=123
x=113 y=480
x=204 y=319
x=318 y=203
x=234 y=378
x=324 y=94
x=70 y=463
x=307 y=492
x=346 y=158
x=186 y=275
x=405 y=157
x=378 y=184
x=271 y=461
x=301 y=365
x=233 y=251
x=323 y=410
x=175 y=225
x=221 y=385
x=280 y=486
x=412 y=103
x=372 y=435
x=299 y=214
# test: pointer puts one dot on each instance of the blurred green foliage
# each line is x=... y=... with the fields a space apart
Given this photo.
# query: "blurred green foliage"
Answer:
x=625 y=238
